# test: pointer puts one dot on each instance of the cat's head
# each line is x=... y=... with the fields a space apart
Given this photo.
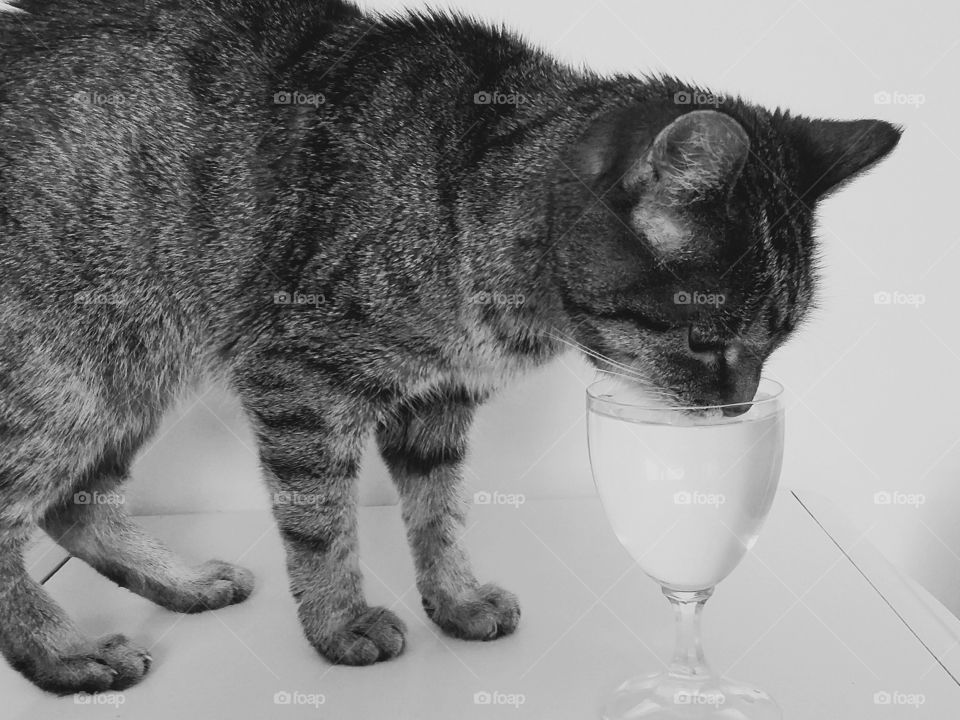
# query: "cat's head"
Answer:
x=689 y=257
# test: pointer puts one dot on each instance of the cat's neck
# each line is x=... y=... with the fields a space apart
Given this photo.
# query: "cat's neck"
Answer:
x=513 y=211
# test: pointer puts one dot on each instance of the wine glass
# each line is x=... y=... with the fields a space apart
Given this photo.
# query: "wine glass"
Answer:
x=686 y=490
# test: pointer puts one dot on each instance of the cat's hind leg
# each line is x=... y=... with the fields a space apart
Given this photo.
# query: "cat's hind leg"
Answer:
x=93 y=525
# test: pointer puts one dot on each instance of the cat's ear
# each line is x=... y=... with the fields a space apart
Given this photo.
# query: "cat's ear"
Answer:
x=697 y=156
x=662 y=165
x=833 y=152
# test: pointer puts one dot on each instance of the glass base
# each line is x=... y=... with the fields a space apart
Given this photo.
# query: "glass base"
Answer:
x=672 y=697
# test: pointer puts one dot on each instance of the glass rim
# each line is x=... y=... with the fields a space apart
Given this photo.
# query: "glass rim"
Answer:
x=773 y=398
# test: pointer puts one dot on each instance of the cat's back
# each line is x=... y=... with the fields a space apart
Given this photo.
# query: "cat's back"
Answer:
x=41 y=29
x=51 y=47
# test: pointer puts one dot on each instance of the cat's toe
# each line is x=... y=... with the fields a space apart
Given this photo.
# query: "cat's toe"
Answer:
x=219 y=584
x=129 y=662
x=485 y=613
x=372 y=635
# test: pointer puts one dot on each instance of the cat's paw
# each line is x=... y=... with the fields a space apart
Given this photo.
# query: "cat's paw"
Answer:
x=110 y=663
x=216 y=585
x=485 y=613
x=371 y=635
x=225 y=584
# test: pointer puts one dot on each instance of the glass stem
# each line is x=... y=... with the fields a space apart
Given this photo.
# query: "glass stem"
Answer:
x=688 y=661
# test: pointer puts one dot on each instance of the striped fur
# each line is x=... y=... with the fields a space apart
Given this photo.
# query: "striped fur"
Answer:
x=366 y=225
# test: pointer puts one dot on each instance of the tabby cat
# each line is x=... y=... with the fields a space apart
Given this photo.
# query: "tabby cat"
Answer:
x=366 y=224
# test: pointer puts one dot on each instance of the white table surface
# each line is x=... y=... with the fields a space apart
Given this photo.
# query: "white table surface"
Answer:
x=800 y=617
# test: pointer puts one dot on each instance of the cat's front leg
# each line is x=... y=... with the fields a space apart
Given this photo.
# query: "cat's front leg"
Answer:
x=311 y=442
x=424 y=444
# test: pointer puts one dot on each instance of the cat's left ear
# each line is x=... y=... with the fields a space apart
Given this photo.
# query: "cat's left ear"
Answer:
x=833 y=152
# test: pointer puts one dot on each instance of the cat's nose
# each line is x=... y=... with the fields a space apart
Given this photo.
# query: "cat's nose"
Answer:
x=737 y=368
x=740 y=378
x=734 y=410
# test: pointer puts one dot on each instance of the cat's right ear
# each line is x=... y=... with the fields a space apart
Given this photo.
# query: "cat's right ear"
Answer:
x=696 y=156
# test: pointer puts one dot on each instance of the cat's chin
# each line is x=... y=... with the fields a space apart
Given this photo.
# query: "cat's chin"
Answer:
x=705 y=413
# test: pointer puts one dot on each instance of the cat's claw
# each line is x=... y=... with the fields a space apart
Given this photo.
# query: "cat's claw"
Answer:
x=485 y=613
x=110 y=663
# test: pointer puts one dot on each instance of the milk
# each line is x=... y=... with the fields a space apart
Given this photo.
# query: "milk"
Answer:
x=687 y=500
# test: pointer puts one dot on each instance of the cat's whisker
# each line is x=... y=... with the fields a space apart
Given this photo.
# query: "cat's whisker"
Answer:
x=624 y=371
x=598 y=356
x=627 y=373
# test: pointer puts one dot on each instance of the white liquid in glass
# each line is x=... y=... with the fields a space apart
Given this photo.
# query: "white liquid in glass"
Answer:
x=687 y=500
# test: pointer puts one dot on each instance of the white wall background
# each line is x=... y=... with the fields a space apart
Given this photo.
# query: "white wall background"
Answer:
x=873 y=388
